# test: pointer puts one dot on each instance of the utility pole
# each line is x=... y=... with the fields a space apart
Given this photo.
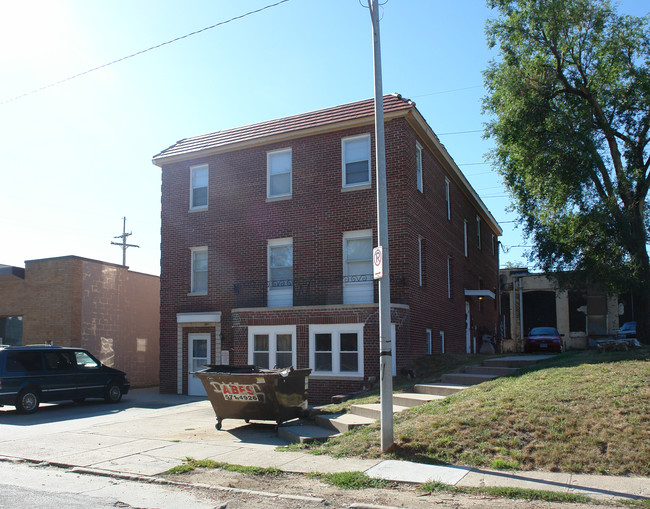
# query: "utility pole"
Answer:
x=123 y=243
x=385 y=350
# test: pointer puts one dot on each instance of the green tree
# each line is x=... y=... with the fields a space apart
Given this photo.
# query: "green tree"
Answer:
x=569 y=98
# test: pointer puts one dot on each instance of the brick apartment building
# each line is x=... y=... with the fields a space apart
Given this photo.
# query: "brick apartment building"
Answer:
x=71 y=301
x=267 y=237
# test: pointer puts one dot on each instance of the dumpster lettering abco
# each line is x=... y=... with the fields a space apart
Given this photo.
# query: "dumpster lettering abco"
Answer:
x=239 y=392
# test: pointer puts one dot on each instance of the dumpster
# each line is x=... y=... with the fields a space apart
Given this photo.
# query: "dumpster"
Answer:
x=251 y=393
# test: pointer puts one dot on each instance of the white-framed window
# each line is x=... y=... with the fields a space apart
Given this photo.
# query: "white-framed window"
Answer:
x=421 y=259
x=336 y=350
x=465 y=228
x=478 y=232
x=448 y=197
x=357 y=267
x=280 y=272
x=278 y=173
x=199 y=282
x=199 y=187
x=418 y=166
x=429 y=342
x=272 y=346
x=356 y=160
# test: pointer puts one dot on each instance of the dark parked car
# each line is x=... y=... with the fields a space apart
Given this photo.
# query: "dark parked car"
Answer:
x=31 y=374
x=628 y=330
x=546 y=339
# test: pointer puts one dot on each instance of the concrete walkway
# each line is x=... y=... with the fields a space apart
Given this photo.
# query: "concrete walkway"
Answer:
x=148 y=433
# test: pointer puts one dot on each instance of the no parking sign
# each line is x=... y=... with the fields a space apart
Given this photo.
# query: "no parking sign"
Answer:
x=378 y=262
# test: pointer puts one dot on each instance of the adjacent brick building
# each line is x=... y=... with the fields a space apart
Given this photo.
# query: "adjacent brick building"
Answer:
x=267 y=236
x=72 y=301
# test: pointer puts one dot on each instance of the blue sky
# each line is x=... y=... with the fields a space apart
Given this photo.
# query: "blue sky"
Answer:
x=76 y=157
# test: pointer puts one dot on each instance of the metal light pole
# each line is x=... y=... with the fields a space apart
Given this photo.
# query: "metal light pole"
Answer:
x=385 y=350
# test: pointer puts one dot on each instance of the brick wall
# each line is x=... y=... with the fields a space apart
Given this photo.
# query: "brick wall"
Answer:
x=120 y=320
x=240 y=220
x=106 y=308
x=53 y=301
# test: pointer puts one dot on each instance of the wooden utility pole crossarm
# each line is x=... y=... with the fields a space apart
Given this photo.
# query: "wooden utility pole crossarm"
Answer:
x=123 y=244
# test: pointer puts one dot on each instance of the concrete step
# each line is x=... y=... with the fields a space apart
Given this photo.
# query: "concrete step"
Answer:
x=299 y=433
x=439 y=389
x=340 y=423
x=515 y=361
x=466 y=378
x=490 y=370
x=373 y=410
x=411 y=399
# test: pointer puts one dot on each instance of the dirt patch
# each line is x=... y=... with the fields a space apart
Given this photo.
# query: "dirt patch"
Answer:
x=286 y=487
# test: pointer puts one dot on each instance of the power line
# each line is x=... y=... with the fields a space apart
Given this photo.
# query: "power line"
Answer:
x=69 y=78
x=461 y=132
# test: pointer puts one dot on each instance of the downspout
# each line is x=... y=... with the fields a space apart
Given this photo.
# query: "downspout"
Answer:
x=498 y=333
x=513 y=313
x=521 y=312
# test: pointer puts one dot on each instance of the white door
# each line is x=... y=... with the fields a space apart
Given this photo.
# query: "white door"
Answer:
x=468 y=329
x=199 y=356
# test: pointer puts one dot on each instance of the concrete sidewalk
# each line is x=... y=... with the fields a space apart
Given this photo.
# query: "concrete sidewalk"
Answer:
x=149 y=433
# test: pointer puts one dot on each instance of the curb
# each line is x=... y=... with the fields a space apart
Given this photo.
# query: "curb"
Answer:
x=158 y=480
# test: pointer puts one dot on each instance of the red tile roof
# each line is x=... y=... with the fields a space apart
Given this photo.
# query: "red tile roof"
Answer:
x=292 y=124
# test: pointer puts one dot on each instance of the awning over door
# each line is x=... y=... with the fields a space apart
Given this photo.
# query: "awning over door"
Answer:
x=479 y=293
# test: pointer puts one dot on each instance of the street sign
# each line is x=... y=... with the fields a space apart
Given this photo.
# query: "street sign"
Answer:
x=378 y=262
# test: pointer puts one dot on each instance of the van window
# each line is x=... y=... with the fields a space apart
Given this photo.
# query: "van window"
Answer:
x=18 y=362
x=85 y=361
x=59 y=361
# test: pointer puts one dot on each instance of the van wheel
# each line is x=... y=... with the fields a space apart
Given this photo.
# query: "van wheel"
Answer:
x=28 y=401
x=113 y=393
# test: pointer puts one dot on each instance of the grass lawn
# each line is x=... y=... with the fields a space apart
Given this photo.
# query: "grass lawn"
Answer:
x=577 y=412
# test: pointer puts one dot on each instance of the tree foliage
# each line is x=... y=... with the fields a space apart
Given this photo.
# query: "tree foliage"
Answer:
x=569 y=98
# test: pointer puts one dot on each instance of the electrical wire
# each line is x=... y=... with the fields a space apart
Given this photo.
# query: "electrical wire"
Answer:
x=460 y=132
x=69 y=78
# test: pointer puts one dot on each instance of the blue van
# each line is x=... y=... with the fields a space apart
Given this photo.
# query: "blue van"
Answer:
x=30 y=375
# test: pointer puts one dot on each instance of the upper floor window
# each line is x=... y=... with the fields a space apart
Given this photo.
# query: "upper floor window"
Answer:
x=356 y=160
x=278 y=173
x=280 y=272
x=418 y=166
x=478 y=232
x=448 y=197
x=199 y=270
x=199 y=187
x=357 y=267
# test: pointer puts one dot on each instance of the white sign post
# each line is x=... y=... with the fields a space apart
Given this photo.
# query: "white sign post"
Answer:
x=378 y=262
